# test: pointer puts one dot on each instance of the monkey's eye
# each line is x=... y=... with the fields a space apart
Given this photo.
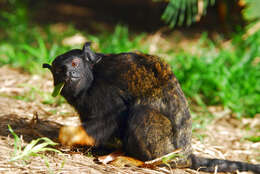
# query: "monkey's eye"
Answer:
x=75 y=62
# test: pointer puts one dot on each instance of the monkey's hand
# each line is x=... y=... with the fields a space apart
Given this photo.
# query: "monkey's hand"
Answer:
x=75 y=135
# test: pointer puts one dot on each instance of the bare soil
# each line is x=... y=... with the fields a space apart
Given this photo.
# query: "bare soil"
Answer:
x=224 y=137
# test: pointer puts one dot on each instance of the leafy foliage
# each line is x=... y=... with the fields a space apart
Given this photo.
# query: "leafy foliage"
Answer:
x=178 y=12
x=119 y=41
x=25 y=45
x=28 y=49
x=21 y=47
x=228 y=77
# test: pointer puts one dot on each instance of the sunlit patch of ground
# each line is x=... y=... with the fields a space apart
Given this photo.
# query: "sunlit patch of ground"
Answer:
x=22 y=97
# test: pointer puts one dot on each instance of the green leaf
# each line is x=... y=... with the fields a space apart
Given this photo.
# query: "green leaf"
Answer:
x=17 y=147
x=169 y=158
x=254 y=139
x=57 y=89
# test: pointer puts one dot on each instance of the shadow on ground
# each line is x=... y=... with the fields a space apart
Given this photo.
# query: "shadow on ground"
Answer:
x=29 y=129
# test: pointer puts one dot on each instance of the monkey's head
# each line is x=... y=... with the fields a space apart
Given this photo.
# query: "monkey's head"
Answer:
x=72 y=71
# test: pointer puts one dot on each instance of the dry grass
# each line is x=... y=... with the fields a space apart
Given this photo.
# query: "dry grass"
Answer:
x=224 y=136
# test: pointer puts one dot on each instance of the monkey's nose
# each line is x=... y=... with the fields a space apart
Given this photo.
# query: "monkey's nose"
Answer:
x=72 y=74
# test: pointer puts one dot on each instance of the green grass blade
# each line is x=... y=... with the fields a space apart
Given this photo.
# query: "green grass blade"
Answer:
x=17 y=146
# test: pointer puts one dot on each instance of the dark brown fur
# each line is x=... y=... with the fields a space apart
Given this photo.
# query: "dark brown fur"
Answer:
x=137 y=98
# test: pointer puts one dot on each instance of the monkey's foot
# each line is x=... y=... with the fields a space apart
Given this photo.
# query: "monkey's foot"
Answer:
x=118 y=159
x=75 y=135
x=123 y=161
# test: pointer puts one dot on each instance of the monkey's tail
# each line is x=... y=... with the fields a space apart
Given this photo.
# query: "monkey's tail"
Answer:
x=208 y=165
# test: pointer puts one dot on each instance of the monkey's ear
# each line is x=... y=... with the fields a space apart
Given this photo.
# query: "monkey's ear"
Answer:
x=45 y=65
x=89 y=54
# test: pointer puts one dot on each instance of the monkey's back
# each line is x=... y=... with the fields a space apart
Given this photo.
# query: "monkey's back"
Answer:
x=149 y=82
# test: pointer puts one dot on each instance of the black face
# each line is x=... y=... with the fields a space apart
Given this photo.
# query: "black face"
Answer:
x=74 y=70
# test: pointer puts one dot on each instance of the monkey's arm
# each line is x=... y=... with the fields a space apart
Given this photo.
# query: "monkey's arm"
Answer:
x=102 y=112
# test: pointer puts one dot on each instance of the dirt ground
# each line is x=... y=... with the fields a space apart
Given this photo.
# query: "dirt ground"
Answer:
x=224 y=137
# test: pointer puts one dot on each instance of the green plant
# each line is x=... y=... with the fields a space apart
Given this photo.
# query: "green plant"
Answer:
x=119 y=41
x=172 y=157
x=25 y=45
x=228 y=77
x=28 y=49
x=29 y=56
x=254 y=139
x=178 y=12
x=34 y=148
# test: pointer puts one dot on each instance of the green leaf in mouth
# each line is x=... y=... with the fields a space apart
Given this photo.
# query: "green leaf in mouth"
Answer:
x=57 y=89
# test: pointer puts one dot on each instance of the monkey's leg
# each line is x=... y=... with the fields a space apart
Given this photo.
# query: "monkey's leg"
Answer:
x=75 y=135
x=149 y=134
x=94 y=132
